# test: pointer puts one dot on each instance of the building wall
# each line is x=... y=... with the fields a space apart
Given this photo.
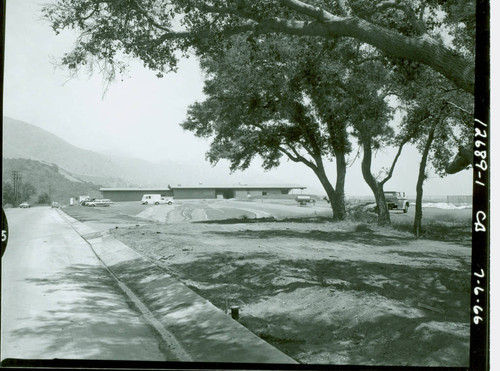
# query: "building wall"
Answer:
x=135 y=195
x=244 y=194
x=272 y=192
x=259 y=193
x=197 y=194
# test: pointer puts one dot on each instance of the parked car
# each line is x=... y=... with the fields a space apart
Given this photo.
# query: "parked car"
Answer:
x=86 y=201
x=397 y=200
x=99 y=202
x=55 y=205
x=24 y=205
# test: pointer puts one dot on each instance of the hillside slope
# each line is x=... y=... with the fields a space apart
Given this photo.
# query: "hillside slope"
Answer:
x=58 y=183
x=23 y=140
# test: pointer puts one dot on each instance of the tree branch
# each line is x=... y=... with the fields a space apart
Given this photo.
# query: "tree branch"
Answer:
x=424 y=49
x=344 y=8
x=290 y=156
x=370 y=59
x=149 y=17
x=400 y=149
x=309 y=10
x=205 y=34
x=412 y=17
x=461 y=109
x=301 y=158
x=96 y=8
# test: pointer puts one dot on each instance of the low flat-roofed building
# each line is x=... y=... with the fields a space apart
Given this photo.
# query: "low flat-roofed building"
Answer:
x=202 y=192
x=133 y=194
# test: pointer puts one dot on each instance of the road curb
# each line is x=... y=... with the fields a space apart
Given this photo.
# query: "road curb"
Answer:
x=202 y=331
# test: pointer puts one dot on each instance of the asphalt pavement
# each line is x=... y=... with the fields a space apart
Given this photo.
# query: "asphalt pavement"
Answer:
x=59 y=301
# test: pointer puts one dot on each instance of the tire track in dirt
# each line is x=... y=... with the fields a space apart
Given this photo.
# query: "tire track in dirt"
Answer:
x=257 y=213
x=199 y=215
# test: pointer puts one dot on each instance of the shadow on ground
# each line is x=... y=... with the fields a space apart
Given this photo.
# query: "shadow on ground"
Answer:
x=93 y=320
x=447 y=232
x=405 y=315
x=354 y=237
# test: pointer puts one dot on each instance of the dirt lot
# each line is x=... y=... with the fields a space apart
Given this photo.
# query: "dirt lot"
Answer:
x=322 y=292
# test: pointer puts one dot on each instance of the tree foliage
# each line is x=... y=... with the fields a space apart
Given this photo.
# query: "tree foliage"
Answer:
x=275 y=99
x=8 y=194
x=43 y=198
x=429 y=99
x=440 y=119
x=156 y=30
x=13 y=196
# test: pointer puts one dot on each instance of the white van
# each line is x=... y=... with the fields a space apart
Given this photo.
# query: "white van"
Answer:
x=156 y=199
x=153 y=199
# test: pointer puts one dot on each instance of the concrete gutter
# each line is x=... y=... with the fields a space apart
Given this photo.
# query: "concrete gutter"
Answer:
x=191 y=326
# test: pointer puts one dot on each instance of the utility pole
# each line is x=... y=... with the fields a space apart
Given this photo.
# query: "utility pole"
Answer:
x=16 y=180
x=19 y=189
x=50 y=193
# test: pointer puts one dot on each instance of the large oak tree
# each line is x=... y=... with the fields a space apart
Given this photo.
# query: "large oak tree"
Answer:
x=155 y=30
x=438 y=119
x=270 y=98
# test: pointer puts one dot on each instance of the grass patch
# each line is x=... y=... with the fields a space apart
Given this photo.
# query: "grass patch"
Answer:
x=448 y=228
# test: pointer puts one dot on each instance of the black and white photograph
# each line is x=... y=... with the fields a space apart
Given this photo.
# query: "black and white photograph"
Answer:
x=236 y=184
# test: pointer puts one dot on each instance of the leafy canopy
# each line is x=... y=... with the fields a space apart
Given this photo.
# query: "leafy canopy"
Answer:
x=286 y=96
x=158 y=31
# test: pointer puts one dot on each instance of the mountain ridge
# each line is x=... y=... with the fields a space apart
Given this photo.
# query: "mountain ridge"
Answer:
x=24 y=140
x=47 y=178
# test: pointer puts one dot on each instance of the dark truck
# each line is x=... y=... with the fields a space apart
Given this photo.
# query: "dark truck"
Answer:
x=397 y=200
x=303 y=200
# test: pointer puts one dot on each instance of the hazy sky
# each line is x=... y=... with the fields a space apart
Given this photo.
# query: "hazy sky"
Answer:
x=140 y=115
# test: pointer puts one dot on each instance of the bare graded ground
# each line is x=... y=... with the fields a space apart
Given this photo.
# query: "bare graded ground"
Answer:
x=322 y=292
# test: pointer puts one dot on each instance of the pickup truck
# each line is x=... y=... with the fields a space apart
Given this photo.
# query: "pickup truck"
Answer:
x=167 y=200
x=397 y=200
x=304 y=200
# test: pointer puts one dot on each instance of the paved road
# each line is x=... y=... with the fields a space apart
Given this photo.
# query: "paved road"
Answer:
x=58 y=301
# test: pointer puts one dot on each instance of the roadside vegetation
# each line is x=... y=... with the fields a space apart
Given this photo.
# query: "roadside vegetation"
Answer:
x=40 y=183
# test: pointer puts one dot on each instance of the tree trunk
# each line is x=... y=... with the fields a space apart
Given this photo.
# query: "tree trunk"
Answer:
x=338 y=208
x=384 y=218
x=338 y=203
x=417 y=222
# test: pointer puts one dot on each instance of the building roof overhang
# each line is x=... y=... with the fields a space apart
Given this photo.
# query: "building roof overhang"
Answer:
x=236 y=186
